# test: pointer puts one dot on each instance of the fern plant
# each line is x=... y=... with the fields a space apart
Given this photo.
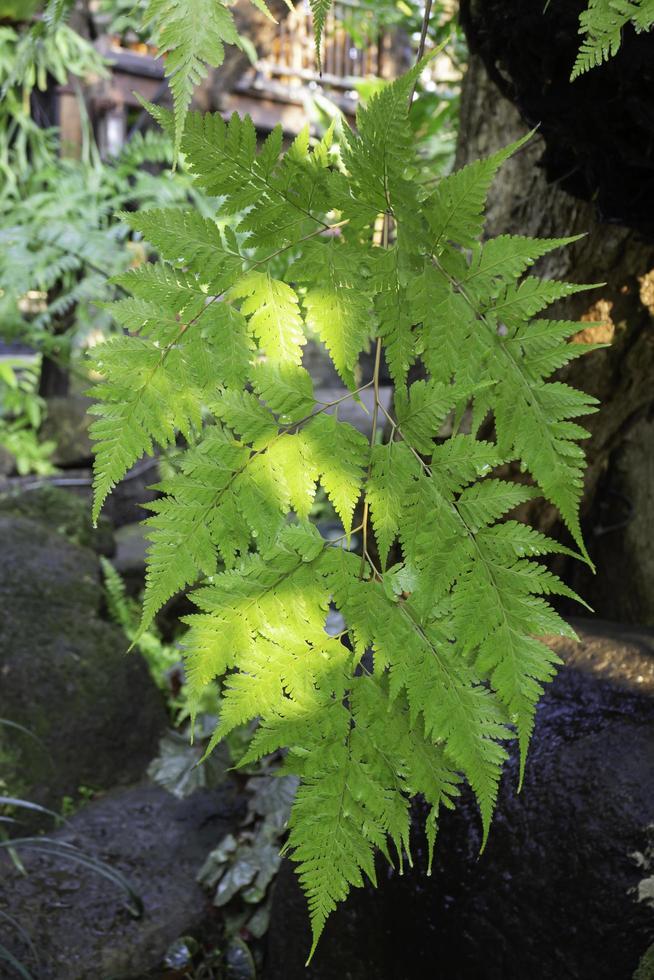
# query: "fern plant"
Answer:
x=451 y=601
x=602 y=25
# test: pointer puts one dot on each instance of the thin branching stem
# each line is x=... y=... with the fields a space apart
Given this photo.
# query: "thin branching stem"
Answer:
x=423 y=41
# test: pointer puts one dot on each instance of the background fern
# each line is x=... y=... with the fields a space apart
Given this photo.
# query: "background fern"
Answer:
x=450 y=601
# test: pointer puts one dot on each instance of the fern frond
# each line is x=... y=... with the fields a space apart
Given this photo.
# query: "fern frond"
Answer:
x=457 y=709
x=421 y=412
x=287 y=389
x=210 y=510
x=192 y=37
x=455 y=209
x=522 y=301
x=319 y=11
x=484 y=503
x=393 y=309
x=392 y=471
x=188 y=240
x=56 y=12
x=376 y=156
x=337 y=311
x=340 y=817
x=340 y=455
x=537 y=424
x=247 y=417
x=507 y=256
x=453 y=616
x=147 y=396
x=602 y=24
x=274 y=315
x=280 y=198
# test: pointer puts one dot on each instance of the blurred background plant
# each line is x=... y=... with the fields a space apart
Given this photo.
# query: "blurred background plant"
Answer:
x=21 y=414
x=123 y=19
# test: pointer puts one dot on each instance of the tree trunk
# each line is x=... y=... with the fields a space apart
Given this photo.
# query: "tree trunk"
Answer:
x=618 y=506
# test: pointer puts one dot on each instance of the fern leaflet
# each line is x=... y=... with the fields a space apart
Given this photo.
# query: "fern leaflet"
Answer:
x=602 y=25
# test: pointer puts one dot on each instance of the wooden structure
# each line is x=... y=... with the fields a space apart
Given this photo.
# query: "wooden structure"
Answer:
x=277 y=89
x=280 y=87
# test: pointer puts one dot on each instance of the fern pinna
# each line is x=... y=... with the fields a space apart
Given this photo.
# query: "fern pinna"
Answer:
x=602 y=24
x=451 y=602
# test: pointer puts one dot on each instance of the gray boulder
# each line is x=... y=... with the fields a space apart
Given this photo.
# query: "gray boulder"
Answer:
x=67 y=424
x=65 y=674
x=80 y=923
x=63 y=511
x=565 y=886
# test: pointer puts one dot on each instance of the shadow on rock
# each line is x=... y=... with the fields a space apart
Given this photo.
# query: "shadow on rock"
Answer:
x=78 y=921
x=562 y=889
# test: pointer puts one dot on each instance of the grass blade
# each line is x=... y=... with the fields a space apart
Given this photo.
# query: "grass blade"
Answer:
x=22 y=932
x=28 y=805
x=20 y=969
x=54 y=848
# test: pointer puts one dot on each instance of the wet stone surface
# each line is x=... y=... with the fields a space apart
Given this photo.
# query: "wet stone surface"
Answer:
x=555 y=895
x=78 y=920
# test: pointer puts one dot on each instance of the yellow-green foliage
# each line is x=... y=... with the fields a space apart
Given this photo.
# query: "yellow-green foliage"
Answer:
x=215 y=352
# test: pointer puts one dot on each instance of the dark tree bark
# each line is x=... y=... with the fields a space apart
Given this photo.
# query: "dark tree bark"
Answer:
x=535 y=195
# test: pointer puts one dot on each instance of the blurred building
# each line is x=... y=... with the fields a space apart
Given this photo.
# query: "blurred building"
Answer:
x=286 y=86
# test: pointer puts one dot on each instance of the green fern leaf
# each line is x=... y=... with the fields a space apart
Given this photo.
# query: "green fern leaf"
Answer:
x=421 y=412
x=484 y=503
x=524 y=300
x=147 y=396
x=337 y=311
x=188 y=240
x=395 y=315
x=248 y=418
x=319 y=10
x=376 y=158
x=192 y=36
x=287 y=389
x=392 y=471
x=274 y=315
x=340 y=454
x=602 y=24
x=279 y=199
x=338 y=820
x=221 y=346
x=507 y=256
x=461 y=460
x=455 y=209
x=453 y=616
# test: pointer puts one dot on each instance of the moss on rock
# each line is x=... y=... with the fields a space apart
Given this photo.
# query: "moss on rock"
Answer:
x=61 y=511
x=65 y=673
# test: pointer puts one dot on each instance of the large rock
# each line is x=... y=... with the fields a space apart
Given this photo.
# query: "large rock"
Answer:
x=65 y=674
x=67 y=424
x=62 y=511
x=78 y=921
x=565 y=887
